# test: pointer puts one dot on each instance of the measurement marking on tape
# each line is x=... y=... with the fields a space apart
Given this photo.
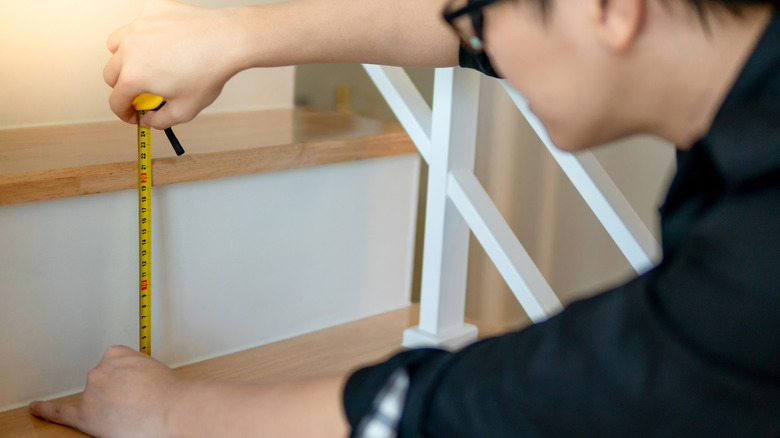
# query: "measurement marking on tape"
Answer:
x=144 y=237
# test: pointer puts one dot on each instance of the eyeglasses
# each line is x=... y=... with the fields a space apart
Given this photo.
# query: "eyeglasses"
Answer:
x=465 y=16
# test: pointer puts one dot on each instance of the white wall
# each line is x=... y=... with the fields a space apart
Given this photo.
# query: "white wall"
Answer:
x=52 y=54
x=270 y=256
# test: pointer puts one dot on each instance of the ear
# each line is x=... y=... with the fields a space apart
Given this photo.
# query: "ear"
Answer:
x=618 y=22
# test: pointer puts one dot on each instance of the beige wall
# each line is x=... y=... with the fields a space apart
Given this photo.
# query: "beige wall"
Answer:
x=52 y=54
x=562 y=235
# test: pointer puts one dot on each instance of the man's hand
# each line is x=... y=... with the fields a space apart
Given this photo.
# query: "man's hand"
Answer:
x=186 y=53
x=128 y=394
x=181 y=52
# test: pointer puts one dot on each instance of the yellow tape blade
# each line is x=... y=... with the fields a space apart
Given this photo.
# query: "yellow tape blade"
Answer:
x=145 y=237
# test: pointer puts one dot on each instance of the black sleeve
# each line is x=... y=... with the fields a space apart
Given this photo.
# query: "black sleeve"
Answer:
x=477 y=61
x=691 y=349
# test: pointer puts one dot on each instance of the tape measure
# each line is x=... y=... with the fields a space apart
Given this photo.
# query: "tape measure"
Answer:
x=142 y=104
x=145 y=237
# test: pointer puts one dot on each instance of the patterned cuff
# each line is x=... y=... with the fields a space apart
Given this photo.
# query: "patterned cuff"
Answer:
x=387 y=407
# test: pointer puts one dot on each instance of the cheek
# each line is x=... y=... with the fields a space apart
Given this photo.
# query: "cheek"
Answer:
x=567 y=116
x=508 y=47
x=535 y=63
x=564 y=107
x=548 y=97
x=522 y=54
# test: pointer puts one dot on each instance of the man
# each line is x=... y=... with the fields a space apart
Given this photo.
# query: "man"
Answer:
x=690 y=349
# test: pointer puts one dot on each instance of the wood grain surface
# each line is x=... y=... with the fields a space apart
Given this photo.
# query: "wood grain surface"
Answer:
x=69 y=160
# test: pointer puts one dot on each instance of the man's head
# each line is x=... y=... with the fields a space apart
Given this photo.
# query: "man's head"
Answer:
x=598 y=70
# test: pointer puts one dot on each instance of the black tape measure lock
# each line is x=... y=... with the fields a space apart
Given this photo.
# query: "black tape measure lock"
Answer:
x=152 y=102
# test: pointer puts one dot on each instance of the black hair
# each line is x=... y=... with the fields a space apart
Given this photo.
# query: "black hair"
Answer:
x=732 y=4
x=735 y=6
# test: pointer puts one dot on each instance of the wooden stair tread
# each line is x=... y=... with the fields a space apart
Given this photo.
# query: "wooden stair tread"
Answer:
x=337 y=349
x=69 y=160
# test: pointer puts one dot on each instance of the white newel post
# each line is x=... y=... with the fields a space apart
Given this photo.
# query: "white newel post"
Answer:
x=445 y=255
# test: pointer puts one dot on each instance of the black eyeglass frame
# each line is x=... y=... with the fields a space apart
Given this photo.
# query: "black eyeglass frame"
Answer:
x=473 y=43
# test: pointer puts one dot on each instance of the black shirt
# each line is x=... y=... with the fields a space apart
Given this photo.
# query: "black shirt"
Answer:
x=690 y=349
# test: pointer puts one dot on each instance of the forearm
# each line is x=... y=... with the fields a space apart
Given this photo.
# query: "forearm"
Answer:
x=308 y=408
x=187 y=53
x=401 y=32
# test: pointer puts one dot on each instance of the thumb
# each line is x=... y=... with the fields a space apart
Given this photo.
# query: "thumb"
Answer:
x=56 y=412
x=165 y=117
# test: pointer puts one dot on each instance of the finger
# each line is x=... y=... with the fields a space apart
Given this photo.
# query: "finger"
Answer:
x=56 y=413
x=111 y=354
x=112 y=70
x=116 y=351
x=121 y=103
x=115 y=39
